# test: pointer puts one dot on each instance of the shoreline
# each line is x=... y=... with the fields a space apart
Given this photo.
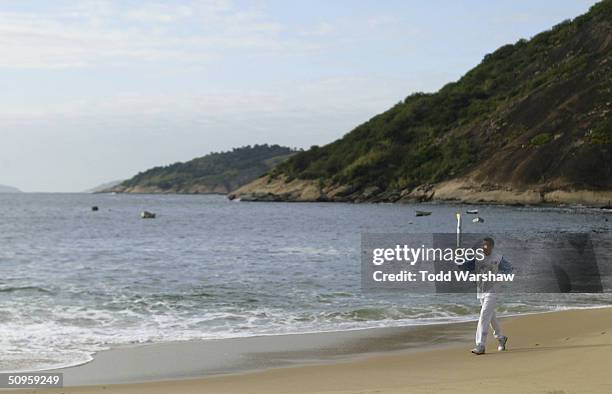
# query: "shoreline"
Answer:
x=248 y=354
x=345 y=354
x=601 y=208
x=459 y=191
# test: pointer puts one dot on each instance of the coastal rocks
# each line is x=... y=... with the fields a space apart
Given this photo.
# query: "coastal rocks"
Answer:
x=468 y=191
x=389 y=196
x=260 y=196
x=191 y=189
x=463 y=190
x=420 y=193
x=300 y=190
x=340 y=193
x=279 y=189
x=587 y=197
x=370 y=194
x=311 y=192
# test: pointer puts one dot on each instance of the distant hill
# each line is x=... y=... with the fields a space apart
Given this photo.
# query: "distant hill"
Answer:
x=102 y=187
x=214 y=173
x=530 y=124
x=9 y=189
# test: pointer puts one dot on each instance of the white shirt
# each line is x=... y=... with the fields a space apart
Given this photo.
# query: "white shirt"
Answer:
x=490 y=263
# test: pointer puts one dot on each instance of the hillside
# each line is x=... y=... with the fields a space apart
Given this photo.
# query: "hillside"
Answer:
x=530 y=124
x=214 y=173
x=9 y=189
x=103 y=187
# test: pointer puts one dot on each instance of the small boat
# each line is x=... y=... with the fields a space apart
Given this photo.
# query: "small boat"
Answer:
x=423 y=213
x=94 y=208
x=147 y=215
x=472 y=211
x=478 y=219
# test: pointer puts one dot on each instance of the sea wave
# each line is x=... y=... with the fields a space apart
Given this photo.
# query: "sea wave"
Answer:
x=14 y=289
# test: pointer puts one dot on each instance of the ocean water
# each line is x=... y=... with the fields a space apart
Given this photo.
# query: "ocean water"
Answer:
x=73 y=281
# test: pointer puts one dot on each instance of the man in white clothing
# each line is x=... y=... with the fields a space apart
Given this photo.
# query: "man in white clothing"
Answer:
x=486 y=293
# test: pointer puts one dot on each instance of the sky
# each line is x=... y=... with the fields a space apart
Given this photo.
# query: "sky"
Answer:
x=95 y=91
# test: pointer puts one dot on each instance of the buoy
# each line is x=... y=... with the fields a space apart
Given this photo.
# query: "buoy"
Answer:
x=147 y=215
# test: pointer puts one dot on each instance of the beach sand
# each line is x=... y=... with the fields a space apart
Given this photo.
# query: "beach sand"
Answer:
x=560 y=352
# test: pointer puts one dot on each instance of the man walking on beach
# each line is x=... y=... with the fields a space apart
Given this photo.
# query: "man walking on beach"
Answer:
x=486 y=293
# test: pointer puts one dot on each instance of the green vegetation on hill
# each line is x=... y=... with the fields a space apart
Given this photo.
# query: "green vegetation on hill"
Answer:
x=214 y=173
x=536 y=112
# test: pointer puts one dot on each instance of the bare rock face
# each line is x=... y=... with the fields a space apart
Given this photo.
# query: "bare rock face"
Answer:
x=461 y=190
x=279 y=189
x=419 y=194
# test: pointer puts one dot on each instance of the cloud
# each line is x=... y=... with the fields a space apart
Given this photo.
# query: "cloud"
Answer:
x=376 y=21
x=187 y=33
x=321 y=29
x=159 y=13
x=35 y=41
x=102 y=33
x=307 y=98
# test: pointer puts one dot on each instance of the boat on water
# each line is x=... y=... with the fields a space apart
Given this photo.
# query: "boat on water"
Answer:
x=423 y=213
x=472 y=211
x=147 y=215
x=478 y=219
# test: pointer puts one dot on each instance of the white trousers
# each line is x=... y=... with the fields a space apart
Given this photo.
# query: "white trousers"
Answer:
x=487 y=318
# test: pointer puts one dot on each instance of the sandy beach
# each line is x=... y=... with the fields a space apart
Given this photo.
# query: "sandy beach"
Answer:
x=558 y=352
